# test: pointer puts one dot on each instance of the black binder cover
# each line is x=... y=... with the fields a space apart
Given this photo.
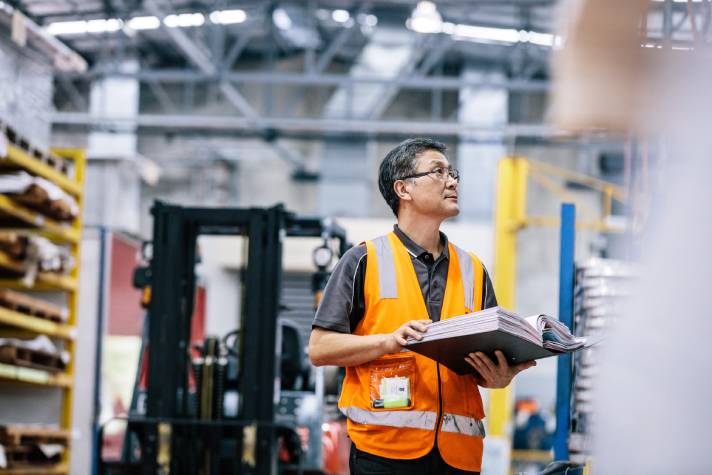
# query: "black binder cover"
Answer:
x=451 y=351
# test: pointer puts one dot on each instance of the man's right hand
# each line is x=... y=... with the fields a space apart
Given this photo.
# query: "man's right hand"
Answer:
x=396 y=341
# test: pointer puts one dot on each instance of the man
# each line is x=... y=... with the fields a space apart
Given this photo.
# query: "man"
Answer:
x=406 y=413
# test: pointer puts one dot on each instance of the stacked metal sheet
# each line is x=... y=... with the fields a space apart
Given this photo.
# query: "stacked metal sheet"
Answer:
x=601 y=291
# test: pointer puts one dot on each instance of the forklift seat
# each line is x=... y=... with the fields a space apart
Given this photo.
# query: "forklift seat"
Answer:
x=294 y=365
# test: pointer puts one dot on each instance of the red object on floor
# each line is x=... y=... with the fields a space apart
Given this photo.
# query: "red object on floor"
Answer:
x=336 y=446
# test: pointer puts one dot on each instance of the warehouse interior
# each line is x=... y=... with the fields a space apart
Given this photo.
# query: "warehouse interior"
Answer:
x=179 y=178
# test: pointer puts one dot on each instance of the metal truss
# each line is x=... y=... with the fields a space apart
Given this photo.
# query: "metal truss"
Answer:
x=252 y=121
x=213 y=70
x=307 y=125
x=415 y=81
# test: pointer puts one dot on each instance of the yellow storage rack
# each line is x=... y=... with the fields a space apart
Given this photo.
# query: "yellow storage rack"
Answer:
x=46 y=166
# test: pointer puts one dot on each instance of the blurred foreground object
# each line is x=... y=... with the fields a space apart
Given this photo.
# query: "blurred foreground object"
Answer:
x=651 y=407
x=600 y=73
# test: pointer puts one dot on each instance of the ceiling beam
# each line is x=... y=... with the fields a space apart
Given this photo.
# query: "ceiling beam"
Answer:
x=423 y=46
x=195 y=54
x=340 y=40
x=310 y=80
x=191 y=122
x=238 y=47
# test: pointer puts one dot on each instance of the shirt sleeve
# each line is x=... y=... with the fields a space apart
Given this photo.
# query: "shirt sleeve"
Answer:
x=342 y=305
x=489 y=299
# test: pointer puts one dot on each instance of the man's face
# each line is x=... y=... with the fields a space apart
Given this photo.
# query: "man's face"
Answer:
x=434 y=194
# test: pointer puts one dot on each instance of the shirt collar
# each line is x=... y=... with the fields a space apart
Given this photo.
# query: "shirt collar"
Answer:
x=415 y=249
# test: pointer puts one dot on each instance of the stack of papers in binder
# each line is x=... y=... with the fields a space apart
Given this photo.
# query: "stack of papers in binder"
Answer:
x=520 y=339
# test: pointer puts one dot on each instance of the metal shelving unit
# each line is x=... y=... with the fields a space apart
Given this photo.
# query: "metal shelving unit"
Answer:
x=34 y=376
x=17 y=217
x=14 y=319
x=602 y=287
x=590 y=302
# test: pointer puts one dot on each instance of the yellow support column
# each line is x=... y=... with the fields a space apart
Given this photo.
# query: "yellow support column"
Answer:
x=78 y=156
x=510 y=216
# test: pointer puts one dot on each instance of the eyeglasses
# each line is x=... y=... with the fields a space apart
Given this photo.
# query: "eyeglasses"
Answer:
x=441 y=173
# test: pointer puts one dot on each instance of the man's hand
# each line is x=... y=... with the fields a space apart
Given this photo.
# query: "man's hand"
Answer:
x=491 y=375
x=396 y=341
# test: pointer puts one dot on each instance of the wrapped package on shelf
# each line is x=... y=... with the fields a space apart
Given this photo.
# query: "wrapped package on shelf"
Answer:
x=39 y=353
x=32 y=306
x=38 y=255
x=28 y=446
x=14 y=244
x=40 y=195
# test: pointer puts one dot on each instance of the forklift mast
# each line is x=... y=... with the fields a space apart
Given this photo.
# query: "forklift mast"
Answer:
x=169 y=432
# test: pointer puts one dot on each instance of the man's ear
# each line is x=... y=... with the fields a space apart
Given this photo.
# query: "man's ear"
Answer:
x=401 y=190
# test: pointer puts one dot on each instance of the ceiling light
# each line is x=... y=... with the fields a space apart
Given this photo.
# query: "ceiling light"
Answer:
x=184 y=20
x=367 y=20
x=67 y=28
x=104 y=26
x=98 y=25
x=281 y=19
x=144 y=23
x=227 y=17
x=542 y=39
x=448 y=28
x=340 y=16
x=425 y=18
x=504 y=35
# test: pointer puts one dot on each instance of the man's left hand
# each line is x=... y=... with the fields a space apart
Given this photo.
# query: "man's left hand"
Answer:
x=491 y=375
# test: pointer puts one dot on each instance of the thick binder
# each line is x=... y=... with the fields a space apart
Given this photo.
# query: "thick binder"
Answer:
x=539 y=336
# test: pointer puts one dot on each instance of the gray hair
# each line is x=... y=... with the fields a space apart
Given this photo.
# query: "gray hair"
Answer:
x=400 y=162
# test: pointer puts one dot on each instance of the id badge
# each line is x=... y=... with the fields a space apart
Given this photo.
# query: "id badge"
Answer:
x=392 y=383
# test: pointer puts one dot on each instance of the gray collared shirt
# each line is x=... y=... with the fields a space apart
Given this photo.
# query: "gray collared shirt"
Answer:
x=342 y=305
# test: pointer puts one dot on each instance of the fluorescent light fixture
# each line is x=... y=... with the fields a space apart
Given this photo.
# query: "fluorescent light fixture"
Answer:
x=104 y=26
x=425 y=18
x=82 y=27
x=281 y=19
x=227 y=17
x=541 y=39
x=184 y=20
x=448 y=28
x=67 y=28
x=367 y=20
x=485 y=33
x=340 y=16
x=144 y=23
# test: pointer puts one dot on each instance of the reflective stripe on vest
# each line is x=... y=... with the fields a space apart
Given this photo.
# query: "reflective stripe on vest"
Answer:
x=467 y=270
x=388 y=289
x=463 y=425
x=412 y=419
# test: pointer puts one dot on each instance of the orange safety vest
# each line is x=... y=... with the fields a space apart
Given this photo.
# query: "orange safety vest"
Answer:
x=442 y=407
